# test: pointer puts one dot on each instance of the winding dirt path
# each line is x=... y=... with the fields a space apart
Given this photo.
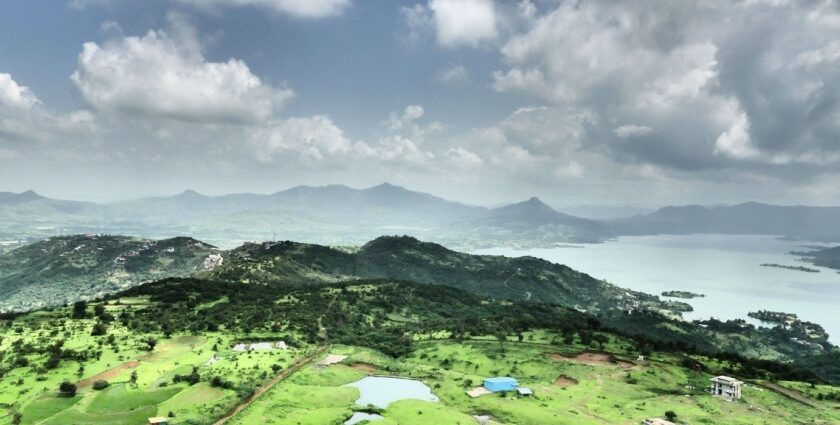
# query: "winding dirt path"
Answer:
x=296 y=366
x=787 y=392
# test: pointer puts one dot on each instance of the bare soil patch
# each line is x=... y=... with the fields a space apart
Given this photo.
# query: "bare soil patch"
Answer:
x=364 y=367
x=108 y=374
x=564 y=381
x=593 y=358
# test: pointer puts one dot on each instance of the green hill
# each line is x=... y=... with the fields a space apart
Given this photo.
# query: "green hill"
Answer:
x=406 y=258
x=64 y=269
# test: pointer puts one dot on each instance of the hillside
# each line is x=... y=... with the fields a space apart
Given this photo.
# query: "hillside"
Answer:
x=169 y=348
x=406 y=258
x=531 y=223
x=58 y=266
x=61 y=270
x=800 y=222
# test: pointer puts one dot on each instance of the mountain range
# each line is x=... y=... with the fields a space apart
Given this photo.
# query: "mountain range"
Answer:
x=340 y=215
x=334 y=215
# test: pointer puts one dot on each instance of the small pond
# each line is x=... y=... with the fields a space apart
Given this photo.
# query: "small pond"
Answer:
x=362 y=416
x=382 y=391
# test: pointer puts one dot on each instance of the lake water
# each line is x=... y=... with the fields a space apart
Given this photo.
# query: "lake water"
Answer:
x=726 y=268
x=382 y=391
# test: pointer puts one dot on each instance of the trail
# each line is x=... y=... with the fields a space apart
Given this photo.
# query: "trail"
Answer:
x=509 y=278
x=789 y=393
x=296 y=366
x=274 y=381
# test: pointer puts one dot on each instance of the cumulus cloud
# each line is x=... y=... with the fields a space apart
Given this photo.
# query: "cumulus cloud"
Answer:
x=310 y=9
x=313 y=138
x=453 y=76
x=26 y=124
x=463 y=22
x=14 y=95
x=746 y=86
x=165 y=74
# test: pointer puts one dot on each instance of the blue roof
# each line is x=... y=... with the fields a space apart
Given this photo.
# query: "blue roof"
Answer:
x=500 y=379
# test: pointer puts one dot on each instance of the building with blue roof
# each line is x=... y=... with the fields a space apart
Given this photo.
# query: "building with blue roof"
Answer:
x=501 y=383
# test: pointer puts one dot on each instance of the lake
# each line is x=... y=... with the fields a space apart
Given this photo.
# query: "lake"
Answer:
x=726 y=268
x=382 y=391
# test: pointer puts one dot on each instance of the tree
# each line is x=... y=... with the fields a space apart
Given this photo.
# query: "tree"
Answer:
x=99 y=329
x=100 y=385
x=501 y=335
x=151 y=343
x=133 y=378
x=670 y=415
x=79 y=308
x=67 y=388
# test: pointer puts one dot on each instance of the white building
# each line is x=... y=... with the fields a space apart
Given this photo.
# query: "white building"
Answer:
x=726 y=387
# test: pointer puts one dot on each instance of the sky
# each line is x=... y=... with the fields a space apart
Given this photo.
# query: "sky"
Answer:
x=642 y=103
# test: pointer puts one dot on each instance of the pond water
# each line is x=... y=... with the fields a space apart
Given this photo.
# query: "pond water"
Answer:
x=726 y=268
x=382 y=391
x=362 y=416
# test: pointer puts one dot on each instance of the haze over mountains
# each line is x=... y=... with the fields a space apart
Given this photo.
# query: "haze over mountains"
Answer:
x=340 y=215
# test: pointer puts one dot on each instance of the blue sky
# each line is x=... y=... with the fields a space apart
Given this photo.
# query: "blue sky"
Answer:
x=578 y=102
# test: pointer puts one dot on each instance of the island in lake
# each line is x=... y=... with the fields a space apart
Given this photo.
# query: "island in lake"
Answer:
x=682 y=294
x=773 y=316
x=796 y=268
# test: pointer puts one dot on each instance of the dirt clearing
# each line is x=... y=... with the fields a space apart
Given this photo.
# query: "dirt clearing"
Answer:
x=108 y=374
x=593 y=358
x=564 y=381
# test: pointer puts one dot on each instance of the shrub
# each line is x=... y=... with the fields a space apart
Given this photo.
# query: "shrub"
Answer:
x=67 y=388
x=100 y=385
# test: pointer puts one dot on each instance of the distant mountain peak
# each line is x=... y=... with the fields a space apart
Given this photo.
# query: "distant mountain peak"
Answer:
x=26 y=196
x=387 y=186
x=535 y=200
x=189 y=193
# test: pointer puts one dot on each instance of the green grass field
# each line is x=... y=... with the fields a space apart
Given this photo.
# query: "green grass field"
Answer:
x=613 y=393
x=590 y=391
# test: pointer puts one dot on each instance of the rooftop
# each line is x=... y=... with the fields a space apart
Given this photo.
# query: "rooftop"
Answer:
x=500 y=379
x=726 y=380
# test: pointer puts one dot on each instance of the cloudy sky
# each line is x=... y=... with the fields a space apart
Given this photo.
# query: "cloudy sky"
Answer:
x=578 y=102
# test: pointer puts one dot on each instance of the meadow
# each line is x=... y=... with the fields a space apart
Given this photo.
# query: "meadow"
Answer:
x=123 y=374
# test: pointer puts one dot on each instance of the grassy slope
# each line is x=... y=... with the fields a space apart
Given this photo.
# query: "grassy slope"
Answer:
x=603 y=394
x=315 y=395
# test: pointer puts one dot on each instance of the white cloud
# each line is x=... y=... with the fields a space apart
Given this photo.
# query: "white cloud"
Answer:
x=14 y=95
x=310 y=9
x=464 y=22
x=313 y=138
x=164 y=74
x=418 y=21
x=632 y=130
x=25 y=124
x=463 y=157
x=746 y=86
x=410 y=114
x=735 y=141
x=453 y=76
